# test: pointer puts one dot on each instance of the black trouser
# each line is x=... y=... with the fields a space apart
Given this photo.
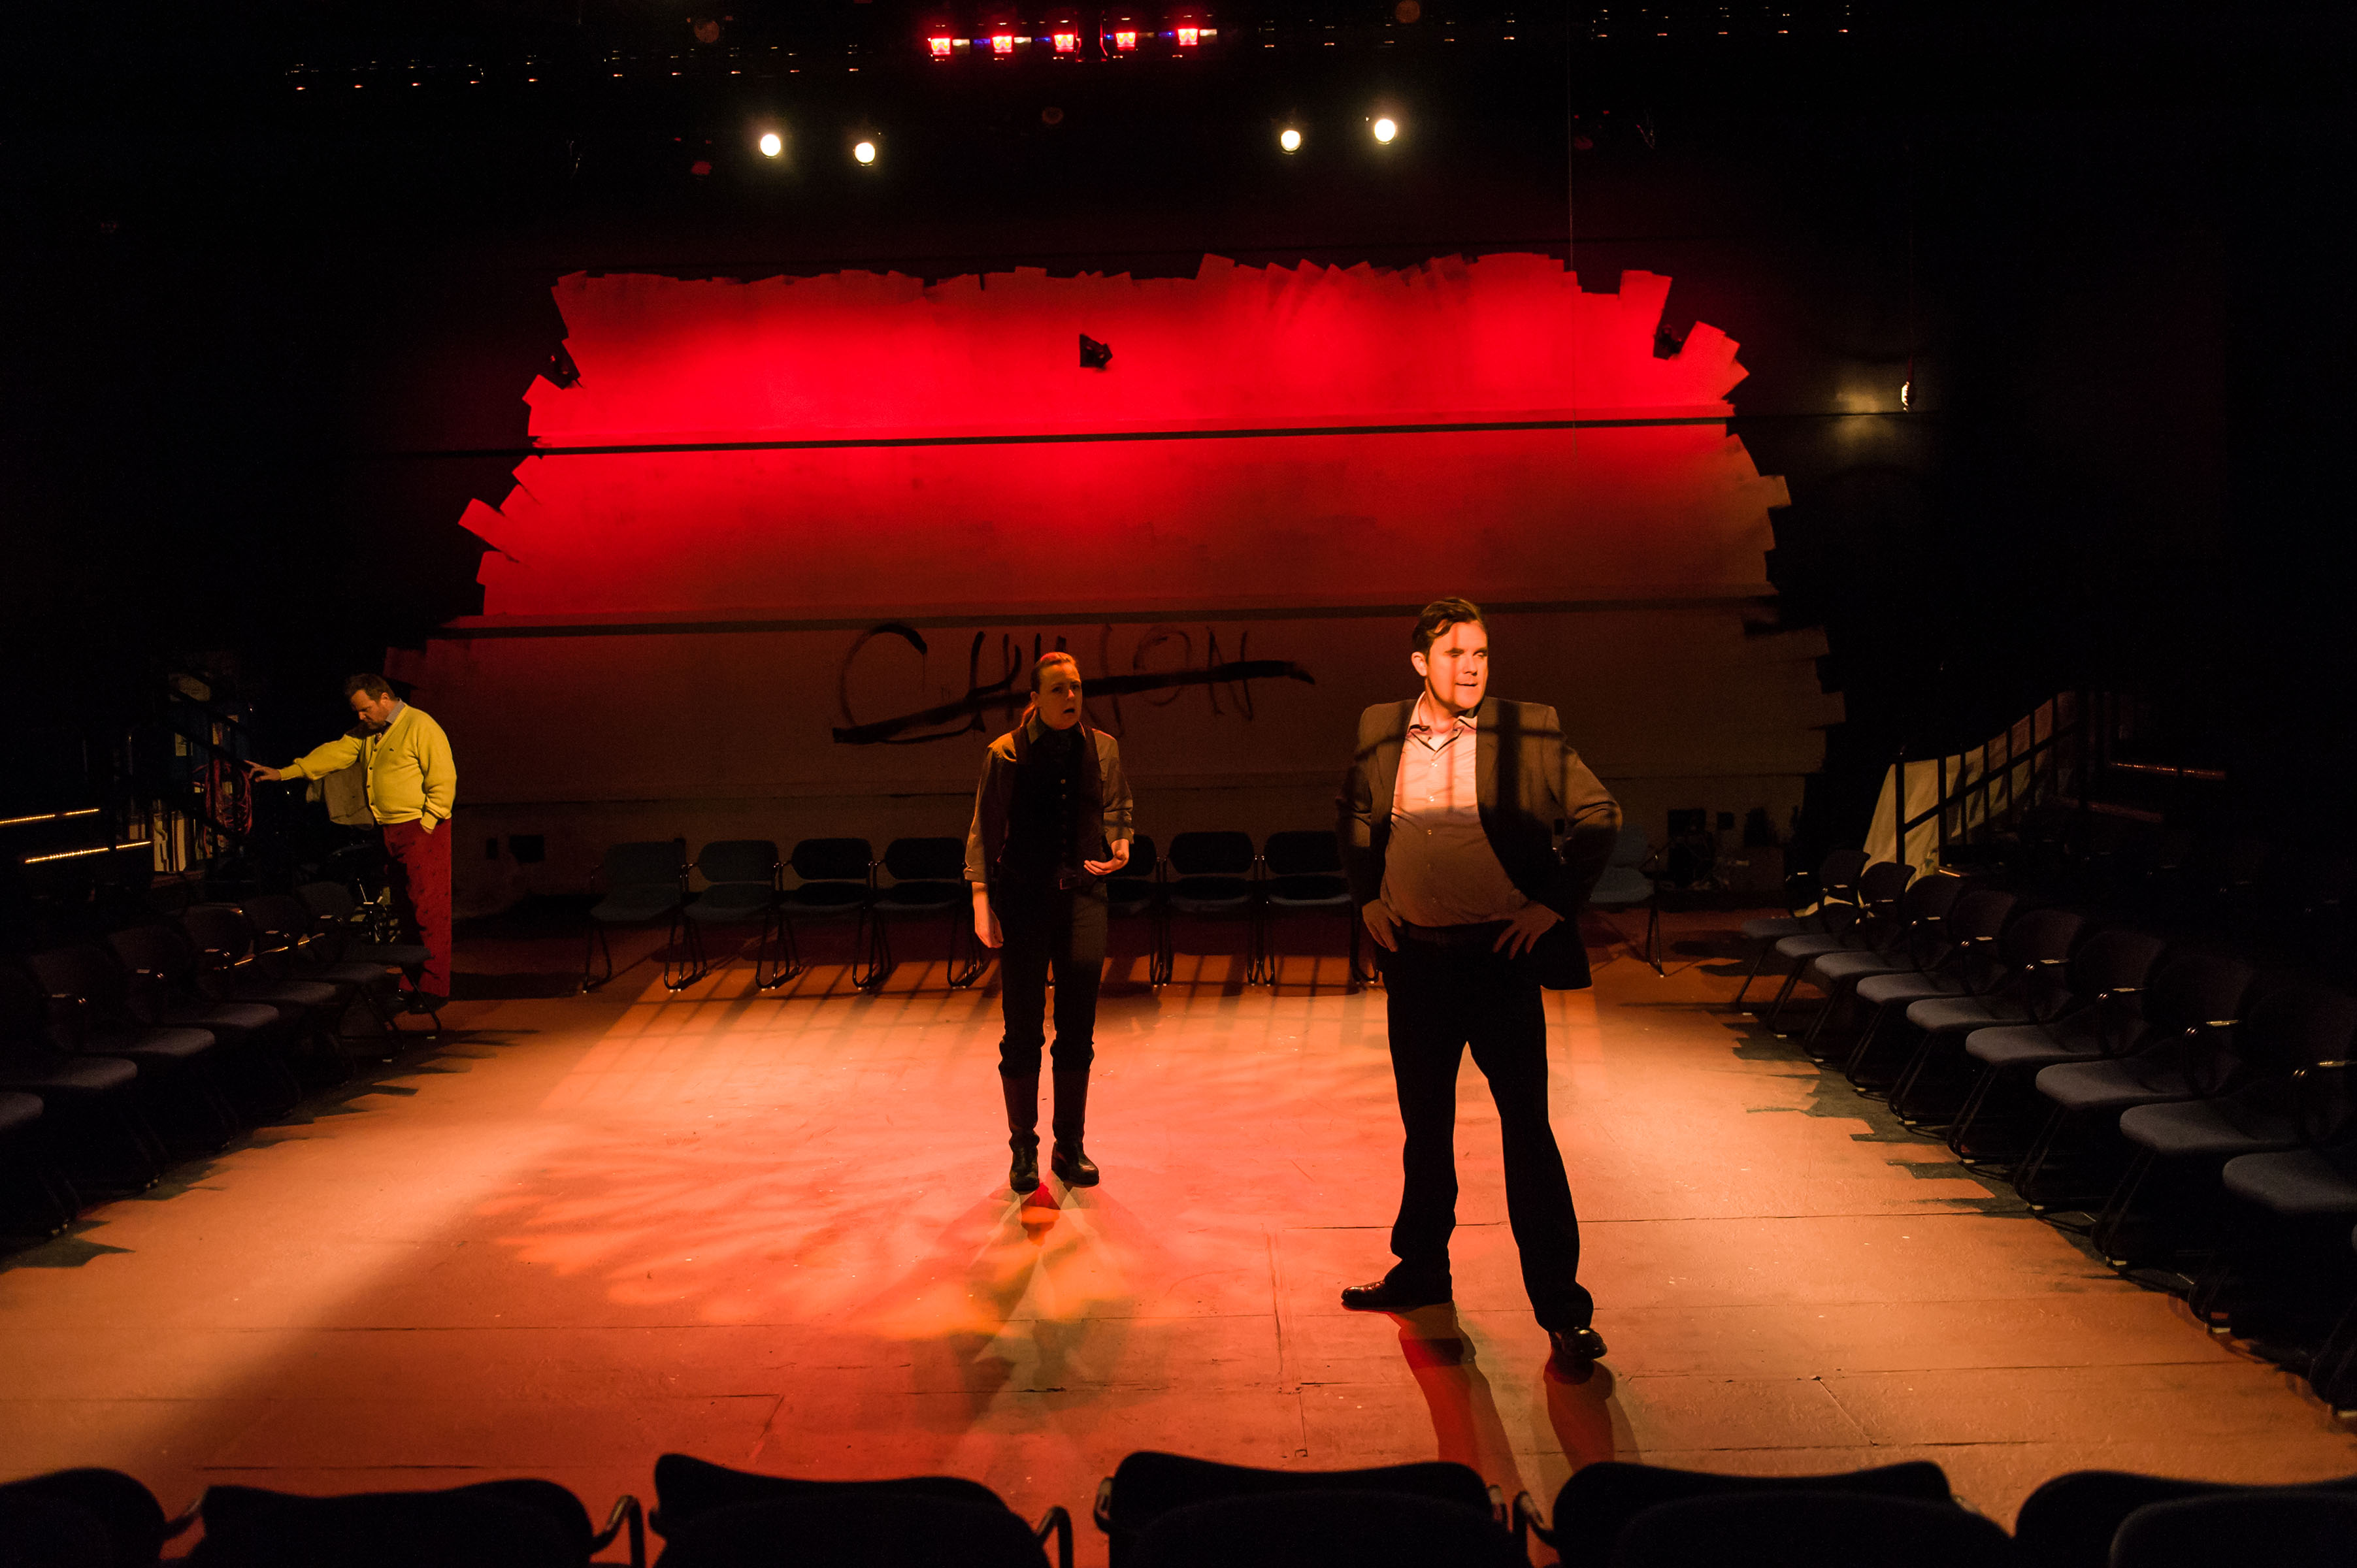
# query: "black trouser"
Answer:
x=1440 y=999
x=1046 y=929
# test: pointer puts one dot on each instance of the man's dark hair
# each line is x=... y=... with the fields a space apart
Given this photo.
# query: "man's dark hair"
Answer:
x=1439 y=616
x=378 y=686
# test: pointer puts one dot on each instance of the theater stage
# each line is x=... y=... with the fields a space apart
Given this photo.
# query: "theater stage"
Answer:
x=768 y=1229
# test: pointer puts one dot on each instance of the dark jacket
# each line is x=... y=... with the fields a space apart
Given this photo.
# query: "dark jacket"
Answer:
x=1102 y=821
x=1531 y=786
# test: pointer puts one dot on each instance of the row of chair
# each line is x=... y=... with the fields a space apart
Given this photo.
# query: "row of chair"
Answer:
x=1203 y=875
x=2197 y=1119
x=170 y=1036
x=1169 y=1510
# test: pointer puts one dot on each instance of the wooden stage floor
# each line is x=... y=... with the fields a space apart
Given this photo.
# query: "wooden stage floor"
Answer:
x=770 y=1229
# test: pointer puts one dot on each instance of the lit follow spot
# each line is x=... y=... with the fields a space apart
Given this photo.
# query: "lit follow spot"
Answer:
x=1289 y=139
x=865 y=151
x=1385 y=130
x=771 y=144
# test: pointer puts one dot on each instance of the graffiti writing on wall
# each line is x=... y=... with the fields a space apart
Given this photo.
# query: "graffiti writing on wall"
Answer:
x=1161 y=667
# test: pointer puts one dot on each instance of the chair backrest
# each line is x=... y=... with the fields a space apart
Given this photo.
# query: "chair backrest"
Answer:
x=1302 y=853
x=327 y=900
x=870 y=1529
x=128 y=1522
x=2193 y=989
x=2070 y=1520
x=644 y=863
x=1883 y=884
x=1598 y=1501
x=1148 y=1485
x=1211 y=854
x=834 y=860
x=85 y=970
x=1326 y=1530
x=738 y=860
x=1796 y=1529
x=926 y=860
x=494 y=1524
x=1978 y=915
x=1141 y=862
x=2283 y=1527
x=218 y=929
x=157 y=950
x=280 y=917
x=2041 y=937
x=2114 y=961
x=1631 y=848
x=1838 y=874
x=686 y=1489
x=2294 y=1026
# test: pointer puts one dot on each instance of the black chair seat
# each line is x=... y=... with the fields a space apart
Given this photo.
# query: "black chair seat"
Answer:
x=1811 y=944
x=1902 y=990
x=2113 y=1085
x=922 y=897
x=1776 y=928
x=823 y=898
x=2070 y=1520
x=631 y=905
x=166 y=1048
x=2183 y=1129
x=112 y=1510
x=1308 y=892
x=688 y=1488
x=305 y=994
x=390 y=955
x=2019 y=1046
x=1945 y=1015
x=225 y=1021
x=732 y=903
x=494 y=1524
x=18 y=1111
x=67 y=1077
x=1599 y=1501
x=1620 y=887
x=1129 y=895
x=1147 y=1486
x=357 y=974
x=1837 y=967
x=2297 y=1181
x=1210 y=895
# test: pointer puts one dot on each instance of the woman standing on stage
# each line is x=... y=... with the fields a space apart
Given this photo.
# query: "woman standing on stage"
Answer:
x=1052 y=819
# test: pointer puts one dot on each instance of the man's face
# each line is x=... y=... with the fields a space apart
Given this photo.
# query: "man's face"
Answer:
x=1456 y=670
x=1060 y=696
x=374 y=712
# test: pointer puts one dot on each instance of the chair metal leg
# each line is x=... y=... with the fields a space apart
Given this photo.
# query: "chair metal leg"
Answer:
x=962 y=936
x=1776 y=1008
x=1960 y=1132
x=2027 y=1174
x=592 y=945
x=788 y=958
x=869 y=945
x=1759 y=962
x=2114 y=1220
x=690 y=971
x=1654 y=937
x=1863 y=1049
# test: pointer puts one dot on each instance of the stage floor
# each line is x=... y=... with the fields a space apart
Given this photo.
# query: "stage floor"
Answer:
x=770 y=1231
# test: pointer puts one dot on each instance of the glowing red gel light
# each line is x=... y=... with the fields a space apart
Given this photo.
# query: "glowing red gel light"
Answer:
x=1002 y=43
x=1189 y=36
x=941 y=48
x=1125 y=40
x=1067 y=43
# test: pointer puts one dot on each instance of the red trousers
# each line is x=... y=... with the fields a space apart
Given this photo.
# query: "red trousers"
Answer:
x=421 y=890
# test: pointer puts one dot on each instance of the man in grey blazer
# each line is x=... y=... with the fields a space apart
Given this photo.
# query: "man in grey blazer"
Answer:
x=1450 y=817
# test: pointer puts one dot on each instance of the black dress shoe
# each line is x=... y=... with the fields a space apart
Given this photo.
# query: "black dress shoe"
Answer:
x=1387 y=1295
x=1023 y=1175
x=1072 y=1166
x=1572 y=1353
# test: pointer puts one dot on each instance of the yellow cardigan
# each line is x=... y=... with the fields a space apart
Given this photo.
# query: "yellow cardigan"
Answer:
x=410 y=773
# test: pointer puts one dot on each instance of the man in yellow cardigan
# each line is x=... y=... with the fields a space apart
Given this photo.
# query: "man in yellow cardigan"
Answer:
x=412 y=784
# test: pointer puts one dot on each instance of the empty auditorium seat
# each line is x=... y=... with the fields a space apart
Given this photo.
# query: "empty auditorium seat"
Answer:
x=1209 y=877
x=1625 y=885
x=711 y=1516
x=644 y=881
x=928 y=883
x=1829 y=895
x=1148 y=1485
x=1305 y=874
x=520 y=1523
x=2072 y=1520
x=835 y=881
x=1879 y=889
x=1596 y=1505
x=743 y=879
x=1326 y=1529
x=1814 y=1529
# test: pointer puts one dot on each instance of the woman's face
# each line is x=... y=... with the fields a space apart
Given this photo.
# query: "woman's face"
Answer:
x=1058 y=703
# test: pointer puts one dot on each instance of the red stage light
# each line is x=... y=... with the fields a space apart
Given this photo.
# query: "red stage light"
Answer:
x=1125 y=40
x=1189 y=36
x=1002 y=43
x=1068 y=43
x=941 y=48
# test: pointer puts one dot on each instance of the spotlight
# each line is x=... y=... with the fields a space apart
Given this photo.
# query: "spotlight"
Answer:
x=1385 y=129
x=771 y=144
x=939 y=44
x=1289 y=139
x=1125 y=40
x=1189 y=36
x=865 y=151
x=1002 y=43
x=1094 y=356
x=1067 y=43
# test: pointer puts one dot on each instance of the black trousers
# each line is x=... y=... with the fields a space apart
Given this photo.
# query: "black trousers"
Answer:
x=1048 y=929
x=1440 y=1001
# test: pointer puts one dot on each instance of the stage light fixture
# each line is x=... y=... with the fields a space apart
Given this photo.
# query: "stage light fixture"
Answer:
x=1386 y=128
x=1067 y=43
x=771 y=144
x=1290 y=140
x=1188 y=37
x=939 y=46
x=865 y=151
x=1002 y=43
x=1125 y=40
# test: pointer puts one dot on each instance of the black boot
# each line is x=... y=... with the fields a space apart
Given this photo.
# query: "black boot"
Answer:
x=1023 y=1130
x=1070 y=1161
